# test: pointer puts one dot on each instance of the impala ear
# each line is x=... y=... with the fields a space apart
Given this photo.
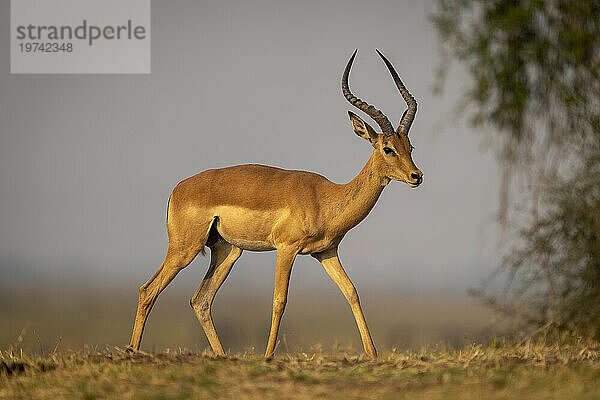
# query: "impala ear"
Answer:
x=362 y=129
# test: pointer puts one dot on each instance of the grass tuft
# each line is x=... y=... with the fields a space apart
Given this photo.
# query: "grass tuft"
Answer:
x=534 y=368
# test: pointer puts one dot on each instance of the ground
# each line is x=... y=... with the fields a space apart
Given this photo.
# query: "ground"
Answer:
x=491 y=371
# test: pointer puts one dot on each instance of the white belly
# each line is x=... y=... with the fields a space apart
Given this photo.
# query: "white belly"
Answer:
x=247 y=244
x=247 y=229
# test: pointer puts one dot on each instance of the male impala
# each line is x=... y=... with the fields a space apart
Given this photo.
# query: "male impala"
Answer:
x=260 y=208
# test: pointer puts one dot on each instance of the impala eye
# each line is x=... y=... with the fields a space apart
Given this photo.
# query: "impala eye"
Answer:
x=387 y=150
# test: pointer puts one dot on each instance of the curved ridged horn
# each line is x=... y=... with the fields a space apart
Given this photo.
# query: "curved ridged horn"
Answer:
x=409 y=114
x=378 y=116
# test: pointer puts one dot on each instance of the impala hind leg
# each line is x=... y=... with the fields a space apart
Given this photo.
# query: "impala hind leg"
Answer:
x=331 y=262
x=175 y=261
x=222 y=257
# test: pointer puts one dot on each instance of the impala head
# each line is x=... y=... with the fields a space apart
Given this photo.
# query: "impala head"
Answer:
x=392 y=147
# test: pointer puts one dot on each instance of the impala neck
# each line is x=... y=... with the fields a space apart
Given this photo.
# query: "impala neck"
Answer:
x=357 y=197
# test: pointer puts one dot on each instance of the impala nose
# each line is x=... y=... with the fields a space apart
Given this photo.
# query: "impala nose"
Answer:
x=417 y=178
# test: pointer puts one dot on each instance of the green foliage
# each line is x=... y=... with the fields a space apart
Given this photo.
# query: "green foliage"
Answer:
x=532 y=62
x=562 y=252
x=535 y=68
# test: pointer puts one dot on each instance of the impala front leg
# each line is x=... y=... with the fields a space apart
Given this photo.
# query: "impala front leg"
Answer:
x=283 y=269
x=331 y=262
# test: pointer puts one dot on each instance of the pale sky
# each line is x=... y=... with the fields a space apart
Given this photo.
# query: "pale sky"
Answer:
x=87 y=162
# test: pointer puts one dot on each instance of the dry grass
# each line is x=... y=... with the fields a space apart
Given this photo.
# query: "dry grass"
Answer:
x=531 y=369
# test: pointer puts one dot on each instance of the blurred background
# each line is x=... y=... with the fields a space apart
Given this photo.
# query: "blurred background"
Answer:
x=87 y=164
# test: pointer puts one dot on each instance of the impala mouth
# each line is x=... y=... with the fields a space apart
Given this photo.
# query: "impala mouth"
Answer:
x=412 y=184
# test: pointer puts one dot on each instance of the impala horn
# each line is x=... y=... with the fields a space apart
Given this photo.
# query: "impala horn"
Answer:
x=377 y=115
x=409 y=114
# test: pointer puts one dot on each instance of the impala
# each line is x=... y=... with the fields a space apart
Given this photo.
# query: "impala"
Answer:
x=261 y=208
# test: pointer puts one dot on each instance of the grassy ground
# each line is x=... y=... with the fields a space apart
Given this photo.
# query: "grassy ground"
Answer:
x=527 y=370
